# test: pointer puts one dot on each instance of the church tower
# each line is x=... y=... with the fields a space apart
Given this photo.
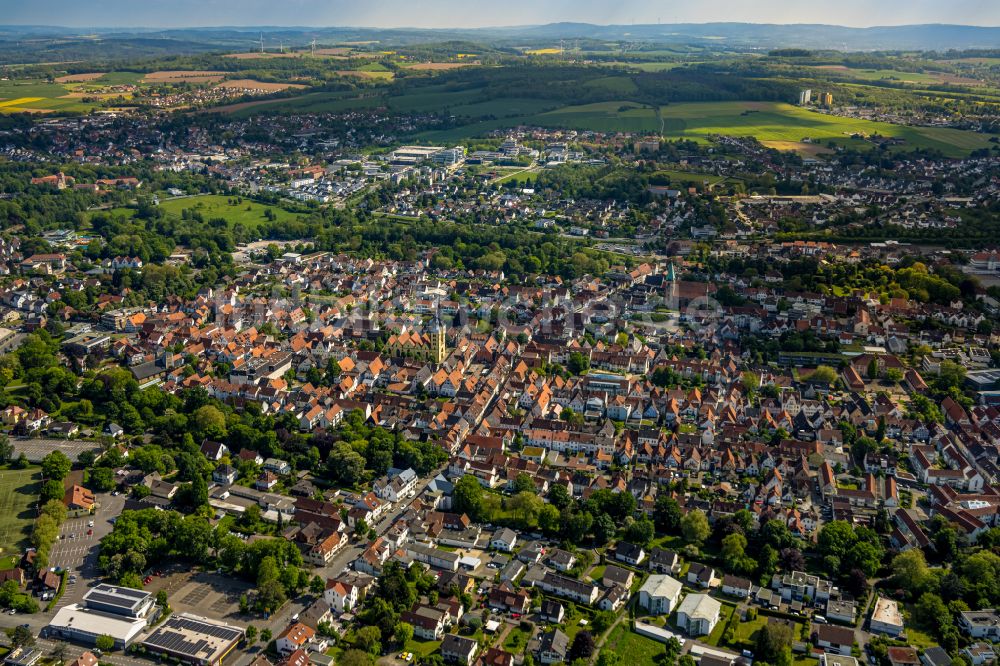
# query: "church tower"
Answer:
x=438 y=334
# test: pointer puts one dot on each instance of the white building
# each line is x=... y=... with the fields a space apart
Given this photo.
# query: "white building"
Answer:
x=660 y=594
x=698 y=614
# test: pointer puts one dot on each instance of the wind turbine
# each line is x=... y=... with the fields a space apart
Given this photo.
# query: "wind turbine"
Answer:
x=261 y=42
x=313 y=45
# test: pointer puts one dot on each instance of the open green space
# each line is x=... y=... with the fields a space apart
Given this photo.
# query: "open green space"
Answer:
x=689 y=177
x=243 y=212
x=421 y=649
x=18 y=494
x=631 y=647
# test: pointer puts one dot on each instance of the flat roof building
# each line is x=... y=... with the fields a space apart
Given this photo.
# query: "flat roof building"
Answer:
x=119 y=612
x=118 y=600
x=194 y=639
x=886 y=618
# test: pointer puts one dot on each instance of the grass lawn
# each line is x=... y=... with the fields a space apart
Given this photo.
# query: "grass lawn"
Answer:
x=520 y=177
x=803 y=660
x=672 y=542
x=745 y=633
x=421 y=648
x=720 y=628
x=917 y=637
x=515 y=641
x=18 y=492
x=631 y=647
x=598 y=572
x=249 y=214
x=690 y=177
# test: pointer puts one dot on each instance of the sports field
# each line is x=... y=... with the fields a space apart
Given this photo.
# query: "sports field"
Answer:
x=18 y=494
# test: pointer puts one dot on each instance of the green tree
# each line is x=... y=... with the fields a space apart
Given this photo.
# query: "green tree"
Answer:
x=524 y=484
x=355 y=658
x=578 y=363
x=209 y=422
x=667 y=514
x=104 y=643
x=467 y=497
x=368 y=639
x=22 y=637
x=772 y=640
x=51 y=490
x=824 y=374
x=910 y=571
x=559 y=496
x=640 y=532
x=404 y=633
x=101 y=479
x=931 y=612
x=56 y=466
x=604 y=528
x=694 y=527
x=251 y=635
x=6 y=450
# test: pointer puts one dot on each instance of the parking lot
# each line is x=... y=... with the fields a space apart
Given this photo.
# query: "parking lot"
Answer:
x=209 y=594
x=36 y=448
x=77 y=551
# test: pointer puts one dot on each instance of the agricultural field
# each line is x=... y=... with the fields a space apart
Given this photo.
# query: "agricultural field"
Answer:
x=779 y=122
x=18 y=493
x=505 y=108
x=880 y=74
x=252 y=84
x=648 y=66
x=436 y=66
x=602 y=117
x=40 y=97
x=184 y=76
x=381 y=75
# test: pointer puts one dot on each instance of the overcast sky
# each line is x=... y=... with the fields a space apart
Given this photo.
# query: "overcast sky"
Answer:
x=477 y=13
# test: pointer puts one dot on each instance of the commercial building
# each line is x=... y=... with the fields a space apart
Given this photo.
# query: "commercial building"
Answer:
x=119 y=612
x=193 y=639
